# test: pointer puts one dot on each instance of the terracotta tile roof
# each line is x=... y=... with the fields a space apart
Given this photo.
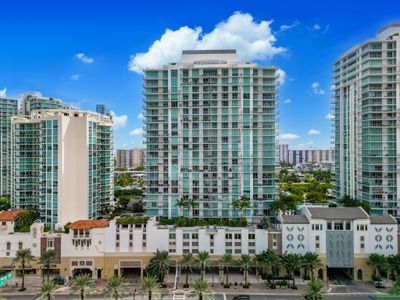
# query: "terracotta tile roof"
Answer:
x=89 y=224
x=9 y=215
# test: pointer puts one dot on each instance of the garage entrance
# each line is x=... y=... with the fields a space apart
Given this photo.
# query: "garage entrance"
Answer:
x=130 y=269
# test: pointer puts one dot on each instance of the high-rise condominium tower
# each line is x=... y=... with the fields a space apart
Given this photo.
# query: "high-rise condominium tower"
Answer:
x=34 y=100
x=8 y=109
x=130 y=158
x=366 y=108
x=62 y=164
x=211 y=124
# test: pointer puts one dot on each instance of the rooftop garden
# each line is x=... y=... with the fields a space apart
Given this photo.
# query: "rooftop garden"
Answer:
x=132 y=220
x=193 y=222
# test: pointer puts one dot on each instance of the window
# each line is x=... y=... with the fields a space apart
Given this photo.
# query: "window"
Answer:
x=8 y=246
x=329 y=226
x=238 y=236
x=20 y=246
x=228 y=236
x=317 y=242
x=50 y=243
x=252 y=236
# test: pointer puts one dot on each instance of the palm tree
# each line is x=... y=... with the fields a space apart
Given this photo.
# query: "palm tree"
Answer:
x=200 y=288
x=276 y=263
x=311 y=262
x=227 y=261
x=116 y=287
x=245 y=262
x=46 y=290
x=393 y=262
x=24 y=257
x=314 y=290
x=191 y=204
x=150 y=287
x=202 y=260
x=235 y=205
x=160 y=264
x=292 y=263
x=186 y=264
x=48 y=258
x=396 y=287
x=181 y=203
x=244 y=203
x=83 y=285
x=24 y=219
x=378 y=262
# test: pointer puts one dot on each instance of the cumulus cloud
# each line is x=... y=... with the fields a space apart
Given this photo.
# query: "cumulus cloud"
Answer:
x=317 y=88
x=285 y=27
x=317 y=27
x=3 y=93
x=141 y=116
x=119 y=121
x=281 y=77
x=330 y=116
x=74 y=77
x=314 y=132
x=84 y=58
x=253 y=41
x=137 y=132
x=288 y=136
x=287 y=101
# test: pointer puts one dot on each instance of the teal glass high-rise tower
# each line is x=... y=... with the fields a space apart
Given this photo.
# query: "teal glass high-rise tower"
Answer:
x=211 y=124
x=366 y=98
x=8 y=109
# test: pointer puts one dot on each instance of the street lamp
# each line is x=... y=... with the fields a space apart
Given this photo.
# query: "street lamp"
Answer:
x=133 y=294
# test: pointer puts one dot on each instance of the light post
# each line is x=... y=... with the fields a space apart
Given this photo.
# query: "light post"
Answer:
x=133 y=294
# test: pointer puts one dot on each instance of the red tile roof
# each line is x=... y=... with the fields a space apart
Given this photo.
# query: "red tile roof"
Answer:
x=89 y=224
x=9 y=215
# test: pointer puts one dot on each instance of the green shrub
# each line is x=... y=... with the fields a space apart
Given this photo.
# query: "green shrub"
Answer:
x=132 y=220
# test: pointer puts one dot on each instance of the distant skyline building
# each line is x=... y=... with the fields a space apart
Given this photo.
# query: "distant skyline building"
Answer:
x=102 y=109
x=34 y=100
x=366 y=98
x=211 y=125
x=62 y=164
x=130 y=158
x=287 y=155
x=8 y=109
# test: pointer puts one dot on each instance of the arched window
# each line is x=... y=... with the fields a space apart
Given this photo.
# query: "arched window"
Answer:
x=20 y=246
x=8 y=246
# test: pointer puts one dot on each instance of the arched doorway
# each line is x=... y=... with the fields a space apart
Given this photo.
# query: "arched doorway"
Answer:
x=98 y=273
x=359 y=274
x=321 y=274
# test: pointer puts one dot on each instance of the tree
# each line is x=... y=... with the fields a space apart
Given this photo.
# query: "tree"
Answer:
x=276 y=264
x=47 y=259
x=24 y=257
x=24 y=219
x=150 y=287
x=191 y=204
x=46 y=290
x=347 y=201
x=83 y=285
x=200 y=288
x=116 y=287
x=314 y=290
x=186 y=264
x=245 y=263
x=182 y=204
x=202 y=261
x=292 y=263
x=244 y=203
x=265 y=223
x=227 y=261
x=396 y=287
x=393 y=262
x=160 y=264
x=311 y=262
x=379 y=263
x=4 y=204
x=124 y=180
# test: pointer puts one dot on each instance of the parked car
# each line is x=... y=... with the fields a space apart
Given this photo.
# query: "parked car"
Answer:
x=241 y=297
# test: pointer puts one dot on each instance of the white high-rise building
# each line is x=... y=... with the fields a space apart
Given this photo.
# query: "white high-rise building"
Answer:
x=366 y=102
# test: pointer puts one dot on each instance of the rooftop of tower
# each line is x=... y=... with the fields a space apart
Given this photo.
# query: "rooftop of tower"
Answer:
x=217 y=56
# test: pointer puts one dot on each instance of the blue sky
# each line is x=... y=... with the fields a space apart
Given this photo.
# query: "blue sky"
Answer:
x=40 y=41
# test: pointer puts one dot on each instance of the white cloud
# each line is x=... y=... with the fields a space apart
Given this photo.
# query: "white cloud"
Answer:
x=119 y=121
x=288 y=136
x=287 y=101
x=84 y=58
x=317 y=89
x=3 y=93
x=330 y=116
x=137 y=132
x=285 y=27
x=253 y=41
x=74 y=77
x=303 y=146
x=141 y=116
x=314 y=132
x=281 y=77
x=317 y=27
